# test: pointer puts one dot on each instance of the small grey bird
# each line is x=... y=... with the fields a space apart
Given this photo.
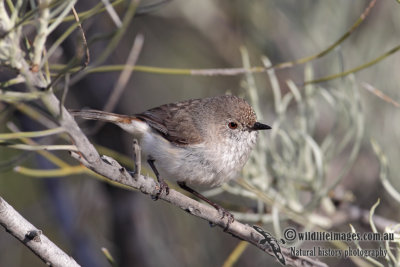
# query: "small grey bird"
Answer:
x=197 y=142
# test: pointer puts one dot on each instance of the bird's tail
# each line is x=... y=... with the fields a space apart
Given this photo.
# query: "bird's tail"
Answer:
x=102 y=116
x=130 y=124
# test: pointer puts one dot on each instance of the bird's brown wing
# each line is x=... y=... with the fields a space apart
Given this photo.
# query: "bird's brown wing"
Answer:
x=174 y=122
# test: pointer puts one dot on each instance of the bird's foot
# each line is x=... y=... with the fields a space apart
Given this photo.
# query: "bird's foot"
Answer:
x=225 y=214
x=163 y=186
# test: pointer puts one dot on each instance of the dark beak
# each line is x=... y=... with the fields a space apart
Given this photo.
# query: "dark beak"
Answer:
x=259 y=126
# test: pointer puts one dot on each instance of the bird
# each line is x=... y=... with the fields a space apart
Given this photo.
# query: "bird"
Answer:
x=202 y=141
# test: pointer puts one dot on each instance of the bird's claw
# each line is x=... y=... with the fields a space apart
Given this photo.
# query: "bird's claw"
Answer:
x=163 y=186
x=224 y=213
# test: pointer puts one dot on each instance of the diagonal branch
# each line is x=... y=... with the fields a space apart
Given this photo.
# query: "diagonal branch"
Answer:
x=33 y=238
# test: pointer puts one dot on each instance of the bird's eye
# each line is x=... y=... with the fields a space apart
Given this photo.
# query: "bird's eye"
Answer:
x=232 y=125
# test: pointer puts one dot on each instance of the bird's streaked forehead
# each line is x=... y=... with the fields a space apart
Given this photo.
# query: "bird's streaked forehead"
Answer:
x=240 y=110
x=227 y=107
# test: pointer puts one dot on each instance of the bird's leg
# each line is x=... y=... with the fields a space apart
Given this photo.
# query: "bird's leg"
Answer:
x=220 y=209
x=137 y=159
x=163 y=185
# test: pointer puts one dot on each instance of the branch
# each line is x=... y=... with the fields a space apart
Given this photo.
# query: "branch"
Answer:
x=32 y=237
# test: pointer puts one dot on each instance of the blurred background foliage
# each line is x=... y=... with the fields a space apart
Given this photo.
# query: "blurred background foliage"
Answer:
x=317 y=158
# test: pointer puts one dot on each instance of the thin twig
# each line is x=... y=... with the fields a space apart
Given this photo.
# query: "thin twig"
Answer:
x=85 y=45
x=112 y=13
x=169 y=71
x=18 y=135
x=40 y=39
x=41 y=147
x=380 y=94
x=108 y=256
x=137 y=158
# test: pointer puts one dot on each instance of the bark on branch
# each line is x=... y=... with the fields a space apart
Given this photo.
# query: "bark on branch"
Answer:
x=32 y=237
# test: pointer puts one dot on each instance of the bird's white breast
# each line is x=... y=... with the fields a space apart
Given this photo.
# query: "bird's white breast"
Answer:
x=204 y=163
